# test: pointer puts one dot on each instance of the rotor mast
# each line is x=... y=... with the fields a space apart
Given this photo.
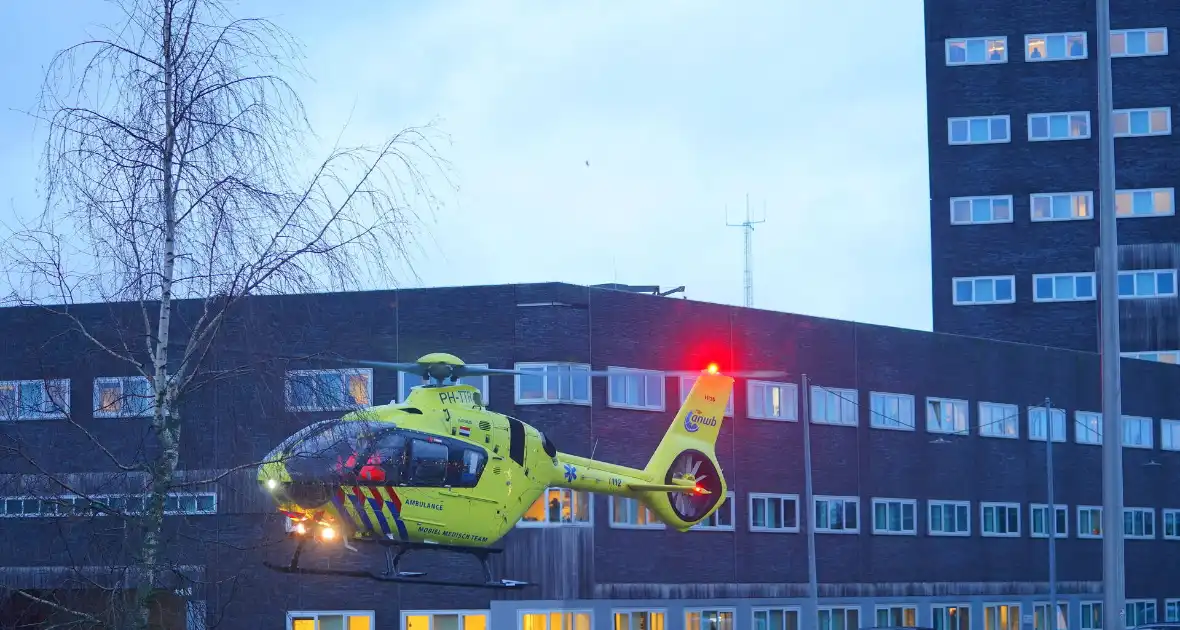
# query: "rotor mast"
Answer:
x=748 y=234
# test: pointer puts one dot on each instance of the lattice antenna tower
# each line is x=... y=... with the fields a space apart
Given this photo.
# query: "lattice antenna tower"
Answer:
x=748 y=232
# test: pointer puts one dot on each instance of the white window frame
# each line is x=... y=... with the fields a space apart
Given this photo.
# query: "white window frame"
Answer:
x=686 y=382
x=788 y=393
x=1128 y=194
x=1145 y=429
x=1169 y=434
x=1001 y=510
x=1076 y=277
x=1171 y=357
x=1094 y=515
x=844 y=501
x=950 y=123
x=902 y=504
x=1090 y=610
x=1127 y=113
x=1079 y=200
x=846 y=403
x=726 y=616
x=1171 y=610
x=1148 y=608
x=1006 y=425
x=567 y=372
x=1041 y=611
x=1069 y=116
x=1170 y=518
x=990 y=200
x=486 y=613
x=61 y=409
x=1145 y=518
x=1043 y=508
x=1158 y=273
x=1084 y=427
x=785 y=609
x=120 y=383
x=634 y=507
x=344 y=374
x=961 y=619
x=1013 y=615
x=649 y=613
x=292 y=614
x=767 y=497
x=879 y=412
x=987 y=40
x=1045 y=36
x=935 y=424
x=1123 y=32
x=957 y=507
x=1038 y=423
x=710 y=524
x=568 y=617
x=481 y=383
x=618 y=374
x=832 y=608
x=102 y=499
x=974 y=279
x=890 y=609
x=572 y=498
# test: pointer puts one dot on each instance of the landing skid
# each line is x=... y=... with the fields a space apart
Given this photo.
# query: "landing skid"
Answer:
x=394 y=552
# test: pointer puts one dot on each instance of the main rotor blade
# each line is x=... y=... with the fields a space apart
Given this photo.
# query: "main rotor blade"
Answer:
x=467 y=370
x=736 y=374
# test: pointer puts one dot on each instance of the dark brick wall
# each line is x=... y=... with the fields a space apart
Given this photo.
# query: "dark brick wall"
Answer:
x=1019 y=168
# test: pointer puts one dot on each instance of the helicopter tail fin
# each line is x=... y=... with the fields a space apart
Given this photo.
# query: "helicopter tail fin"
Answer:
x=686 y=458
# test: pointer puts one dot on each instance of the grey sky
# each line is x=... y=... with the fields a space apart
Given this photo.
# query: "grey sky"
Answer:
x=680 y=107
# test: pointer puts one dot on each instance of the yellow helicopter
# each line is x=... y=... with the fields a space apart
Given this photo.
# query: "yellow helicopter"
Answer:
x=440 y=471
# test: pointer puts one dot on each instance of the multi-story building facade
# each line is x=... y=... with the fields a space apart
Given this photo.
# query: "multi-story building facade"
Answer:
x=1012 y=98
x=929 y=460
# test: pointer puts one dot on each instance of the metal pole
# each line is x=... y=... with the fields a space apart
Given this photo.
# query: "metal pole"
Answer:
x=1113 y=587
x=1051 y=617
x=811 y=609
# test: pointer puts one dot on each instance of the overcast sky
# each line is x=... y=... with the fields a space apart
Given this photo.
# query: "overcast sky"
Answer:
x=681 y=108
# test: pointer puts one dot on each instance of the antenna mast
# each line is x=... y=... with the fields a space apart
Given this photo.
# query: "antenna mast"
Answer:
x=748 y=228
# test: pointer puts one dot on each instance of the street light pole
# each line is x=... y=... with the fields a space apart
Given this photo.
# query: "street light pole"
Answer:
x=1113 y=588
x=1051 y=520
x=811 y=609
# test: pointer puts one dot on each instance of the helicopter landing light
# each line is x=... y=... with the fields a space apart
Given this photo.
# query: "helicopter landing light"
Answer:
x=300 y=528
x=328 y=533
x=271 y=484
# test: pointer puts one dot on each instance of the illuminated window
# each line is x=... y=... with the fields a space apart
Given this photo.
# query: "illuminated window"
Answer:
x=891 y=411
x=1058 y=126
x=946 y=415
x=1138 y=42
x=639 y=619
x=34 y=399
x=708 y=619
x=329 y=390
x=1039 y=520
x=837 y=515
x=839 y=617
x=686 y=383
x=630 y=388
x=1091 y=616
x=407 y=382
x=721 y=519
x=895 y=516
x=771 y=401
x=984 y=290
x=123 y=397
x=445 y=620
x=1145 y=202
x=555 y=620
x=627 y=513
x=981 y=210
x=949 y=518
x=904 y=616
x=1064 y=287
x=1140 y=612
x=1139 y=523
x=967 y=51
x=1001 y=617
x=777 y=618
x=774 y=512
x=1000 y=519
x=978 y=129
x=833 y=405
x=1147 y=121
x=331 y=620
x=1055 y=46
x=951 y=616
x=1061 y=206
x=553 y=383
x=999 y=420
x=559 y=506
x=1041 y=611
x=1137 y=432
x=1089 y=521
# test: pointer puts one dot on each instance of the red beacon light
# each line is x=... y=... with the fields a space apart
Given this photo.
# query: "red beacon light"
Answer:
x=712 y=369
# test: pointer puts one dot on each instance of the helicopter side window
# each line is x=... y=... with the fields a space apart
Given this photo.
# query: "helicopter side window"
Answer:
x=428 y=464
x=385 y=460
x=465 y=467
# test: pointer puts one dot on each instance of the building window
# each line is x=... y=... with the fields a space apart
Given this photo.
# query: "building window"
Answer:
x=1058 y=126
x=895 y=516
x=1151 y=283
x=329 y=390
x=705 y=619
x=967 y=51
x=1140 y=612
x=1063 y=287
x=785 y=618
x=627 y=513
x=639 y=619
x=1041 y=612
x=553 y=383
x=34 y=399
x=1036 y=424
x=1148 y=121
x=1001 y=617
x=557 y=507
x=1145 y=202
x=984 y=290
x=774 y=512
x=838 y=515
x=1087 y=427
x=407 y=382
x=175 y=504
x=341 y=619
x=721 y=519
x=1061 y=206
x=1055 y=46
x=1000 y=519
x=978 y=129
x=1170 y=435
x=1091 y=616
x=999 y=420
x=1039 y=516
x=1137 y=432
x=1138 y=42
x=1171 y=524
x=1171 y=610
x=123 y=397
x=897 y=616
x=441 y=620
x=949 y=518
x=838 y=618
x=981 y=210
x=831 y=405
x=1089 y=521
x=635 y=389
x=556 y=620
x=1161 y=356
x=686 y=383
x=946 y=415
x=772 y=401
x=891 y=411
x=1139 y=523
x=951 y=616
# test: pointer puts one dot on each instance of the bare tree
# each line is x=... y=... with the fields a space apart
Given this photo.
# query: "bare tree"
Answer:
x=174 y=171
